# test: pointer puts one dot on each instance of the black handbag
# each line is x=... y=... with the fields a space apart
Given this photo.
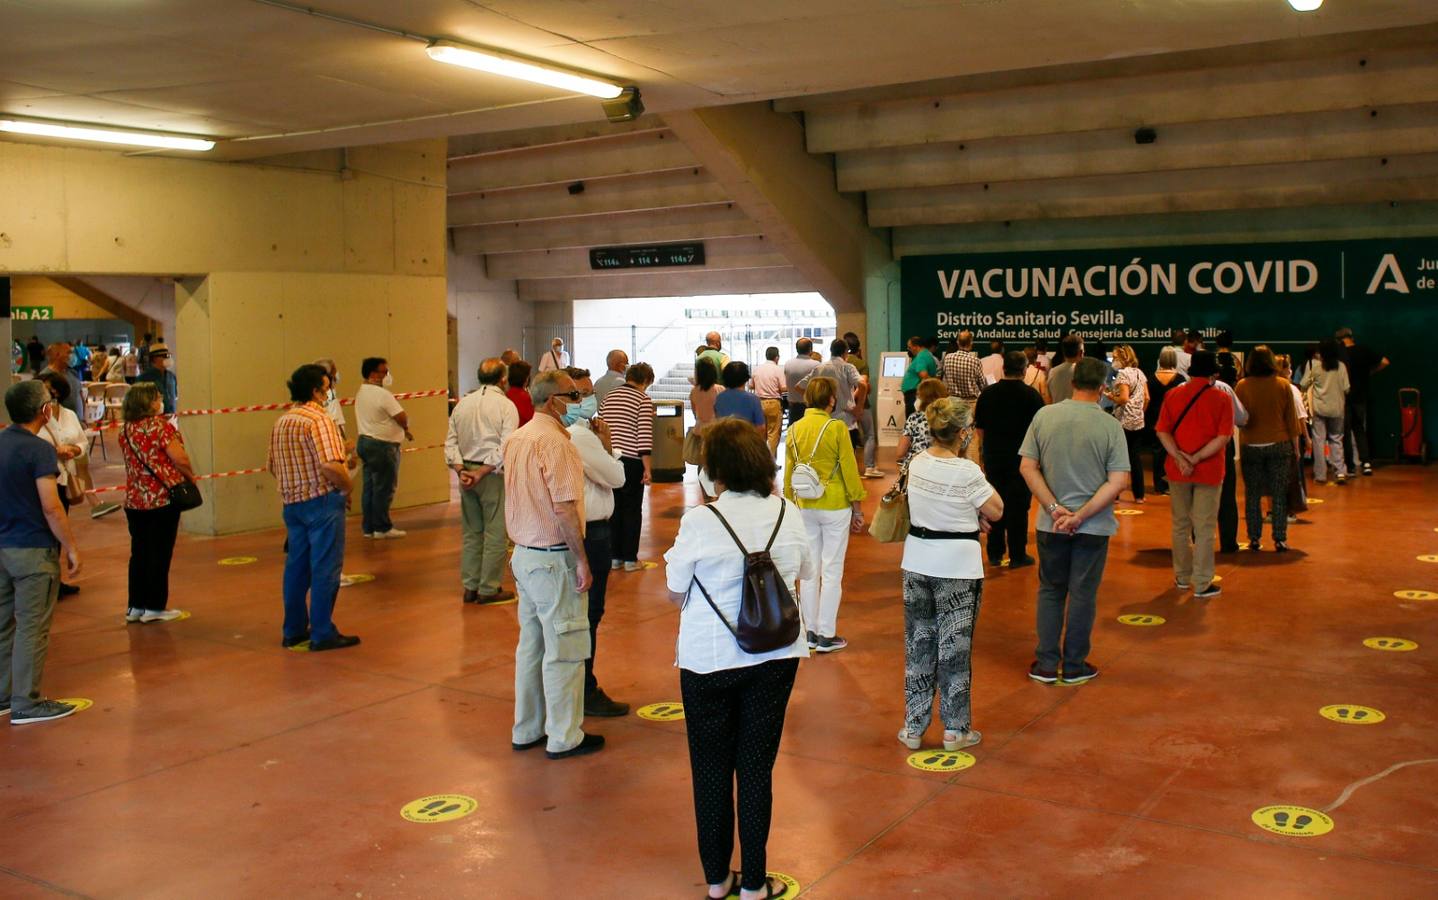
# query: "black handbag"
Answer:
x=184 y=495
x=768 y=615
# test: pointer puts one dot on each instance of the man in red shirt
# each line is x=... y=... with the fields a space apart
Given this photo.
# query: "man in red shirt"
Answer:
x=1195 y=423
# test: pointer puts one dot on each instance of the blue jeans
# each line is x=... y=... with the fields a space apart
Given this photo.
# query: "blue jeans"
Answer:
x=316 y=532
x=381 y=474
x=1070 y=569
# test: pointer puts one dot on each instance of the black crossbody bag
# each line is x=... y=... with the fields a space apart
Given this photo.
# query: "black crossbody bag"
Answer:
x=184 y=496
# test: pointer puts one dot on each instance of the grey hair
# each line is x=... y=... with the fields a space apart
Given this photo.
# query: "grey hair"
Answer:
x=545 y=385
x=328 y=365
x=948 y=417
x=1168 y=358
x=25 y=400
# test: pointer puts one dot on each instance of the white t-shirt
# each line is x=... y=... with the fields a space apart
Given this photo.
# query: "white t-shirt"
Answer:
x=375 y=409
x=703 y=549
x=554 y=359
x=945 y=495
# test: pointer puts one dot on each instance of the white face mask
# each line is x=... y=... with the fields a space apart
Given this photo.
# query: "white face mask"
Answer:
x=388 y=379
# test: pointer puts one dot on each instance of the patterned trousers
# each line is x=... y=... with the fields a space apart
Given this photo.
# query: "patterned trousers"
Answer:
x=939 y=616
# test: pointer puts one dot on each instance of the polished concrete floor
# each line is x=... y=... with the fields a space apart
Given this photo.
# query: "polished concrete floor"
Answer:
x=214 y=763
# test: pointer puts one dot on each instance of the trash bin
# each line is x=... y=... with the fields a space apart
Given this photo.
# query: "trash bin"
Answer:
x=666 y=463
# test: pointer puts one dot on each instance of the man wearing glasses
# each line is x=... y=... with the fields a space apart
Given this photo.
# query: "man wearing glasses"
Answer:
x=544 y=514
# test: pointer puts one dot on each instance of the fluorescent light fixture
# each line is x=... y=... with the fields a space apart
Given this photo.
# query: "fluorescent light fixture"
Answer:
x=1305 y=5
x=104 y=135
x=510 y=67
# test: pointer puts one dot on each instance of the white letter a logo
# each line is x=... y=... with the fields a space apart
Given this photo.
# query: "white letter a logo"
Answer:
x=1396 y=283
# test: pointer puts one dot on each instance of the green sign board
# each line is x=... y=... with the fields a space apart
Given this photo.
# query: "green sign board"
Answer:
x=32 y=313
x=1285 y=295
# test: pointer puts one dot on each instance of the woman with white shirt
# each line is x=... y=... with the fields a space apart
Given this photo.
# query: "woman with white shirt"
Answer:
x=734 y=701
x=943 y=576
x=67 y=435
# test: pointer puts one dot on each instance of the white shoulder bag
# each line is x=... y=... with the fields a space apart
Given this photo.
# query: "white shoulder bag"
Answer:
x=804 y=479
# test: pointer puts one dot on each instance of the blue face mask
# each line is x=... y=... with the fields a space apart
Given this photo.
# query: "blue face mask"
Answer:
x=585 y=409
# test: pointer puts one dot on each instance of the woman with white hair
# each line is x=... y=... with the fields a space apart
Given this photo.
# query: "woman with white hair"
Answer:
x=943 y=574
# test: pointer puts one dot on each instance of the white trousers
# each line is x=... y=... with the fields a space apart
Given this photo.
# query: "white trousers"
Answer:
x=829 y=541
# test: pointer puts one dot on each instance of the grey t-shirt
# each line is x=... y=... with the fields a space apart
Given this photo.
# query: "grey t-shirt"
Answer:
x=1061 y=382
x=847 y=376
x=1077 y=445
x=796 y=376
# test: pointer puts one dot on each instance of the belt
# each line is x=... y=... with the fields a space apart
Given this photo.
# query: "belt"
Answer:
x=557 y=548
x=592 y=522
x=929 y=534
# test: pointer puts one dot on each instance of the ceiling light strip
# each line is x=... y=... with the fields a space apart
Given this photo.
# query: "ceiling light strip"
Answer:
x=104 y=135
x=512 y=67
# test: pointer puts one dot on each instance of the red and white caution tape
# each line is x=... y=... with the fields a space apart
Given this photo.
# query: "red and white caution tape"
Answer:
x=267 y=407
x=121 y=487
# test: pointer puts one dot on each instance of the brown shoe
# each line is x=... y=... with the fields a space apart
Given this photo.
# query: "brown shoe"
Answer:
x=497 y=597
x=471 y=596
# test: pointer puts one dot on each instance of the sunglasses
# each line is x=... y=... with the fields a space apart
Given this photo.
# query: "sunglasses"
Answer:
x=572 y=395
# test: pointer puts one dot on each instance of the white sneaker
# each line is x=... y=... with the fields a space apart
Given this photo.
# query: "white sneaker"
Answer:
x=615 y=565
x=133 y=615
x=872 y=472
x=160 y=615
x=392 y=533
x=369 y=535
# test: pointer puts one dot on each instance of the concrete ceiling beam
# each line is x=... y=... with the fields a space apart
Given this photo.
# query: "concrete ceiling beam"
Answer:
x=1351 y=81
x=759 y=158
x=1347 y=222
x=1343 y=134
x=647 y=152
x=784 y=279
x=1395 y=179
x=466 y=145
x=729 y=253
x=691 y=223
x=690 y=187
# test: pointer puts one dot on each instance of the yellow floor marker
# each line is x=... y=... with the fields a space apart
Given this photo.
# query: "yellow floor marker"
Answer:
x=1143 y=621
x=1128 y=512
x=790 y=880
x=1350 y=714
x=301 y=647
x=80 y=703
x=1312 y=500
x=1390 y=643
x=1429 y=557
x=239 y=560
x=1292 y=821
x=438 y=808
x=1415 y=595
x=941 y=760
x=347 y=580
x=672 y=711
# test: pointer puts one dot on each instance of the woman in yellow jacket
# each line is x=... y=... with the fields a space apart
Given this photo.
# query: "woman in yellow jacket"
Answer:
x=823 y=443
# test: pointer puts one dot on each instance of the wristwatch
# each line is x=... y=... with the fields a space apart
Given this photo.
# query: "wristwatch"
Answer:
x=1051 y=507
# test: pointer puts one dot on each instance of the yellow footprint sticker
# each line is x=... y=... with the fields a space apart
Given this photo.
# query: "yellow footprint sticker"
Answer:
x=662 y=712
x=1142 y=621
x=1415 y=595
x=347 y=580
x=438 y=808
x=1128 y=512
x=80 y=703
x=1313 y=500
x=789 y=880
x=1429 y=557
x=1292 y=821
x=238 y=560
x=1349 y=714
x=1390 y=643
x=301 y=647
x=941 y=760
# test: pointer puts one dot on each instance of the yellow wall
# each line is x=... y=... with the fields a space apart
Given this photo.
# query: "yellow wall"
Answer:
x=30 y=290
x=287 y=265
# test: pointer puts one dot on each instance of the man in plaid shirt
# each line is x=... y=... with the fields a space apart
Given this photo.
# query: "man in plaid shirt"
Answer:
x=307 y=458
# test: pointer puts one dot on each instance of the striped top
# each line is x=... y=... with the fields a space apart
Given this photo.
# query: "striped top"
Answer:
x=302 y=441
x=630 y=414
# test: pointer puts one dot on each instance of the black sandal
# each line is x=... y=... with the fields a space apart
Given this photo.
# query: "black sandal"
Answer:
x=769 y=893
x=733 y=887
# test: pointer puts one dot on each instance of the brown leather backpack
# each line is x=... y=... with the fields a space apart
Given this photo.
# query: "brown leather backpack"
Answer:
x=768 y=615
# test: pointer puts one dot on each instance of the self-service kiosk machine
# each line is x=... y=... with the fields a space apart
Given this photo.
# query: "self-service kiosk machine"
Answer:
x=890 y=404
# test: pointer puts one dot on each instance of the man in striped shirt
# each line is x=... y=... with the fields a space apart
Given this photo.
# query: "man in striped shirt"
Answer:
x=630 y=414
x=307 y=458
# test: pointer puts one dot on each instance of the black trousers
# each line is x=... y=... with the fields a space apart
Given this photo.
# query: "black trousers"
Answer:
x=796 y=412
x=1134 y=439
x=1355 y=438
x=910 y=401
x=1011 y=533
x=1160 y=456
x=628 y=518
x=1228 y=502
x=152 y=544
x=597 y=548
x=735 y=718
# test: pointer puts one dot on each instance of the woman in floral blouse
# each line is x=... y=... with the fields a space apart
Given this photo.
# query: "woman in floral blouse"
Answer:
x=1130 y=396
x=915 y=439
x=155 y=460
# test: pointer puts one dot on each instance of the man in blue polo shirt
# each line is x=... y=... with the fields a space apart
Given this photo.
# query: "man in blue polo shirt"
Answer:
x=34 y=531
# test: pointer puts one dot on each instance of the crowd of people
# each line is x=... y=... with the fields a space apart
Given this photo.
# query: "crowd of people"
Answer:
x=552 y=467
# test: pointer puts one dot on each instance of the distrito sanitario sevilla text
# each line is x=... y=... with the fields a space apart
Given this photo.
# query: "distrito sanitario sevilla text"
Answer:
x=1137 y=278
